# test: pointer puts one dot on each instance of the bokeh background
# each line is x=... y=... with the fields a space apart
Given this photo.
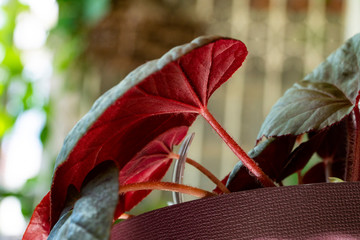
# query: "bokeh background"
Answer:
x=57 y=57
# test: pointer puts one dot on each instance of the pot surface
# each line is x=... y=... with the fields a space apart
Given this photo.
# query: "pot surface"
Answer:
x=314 y=211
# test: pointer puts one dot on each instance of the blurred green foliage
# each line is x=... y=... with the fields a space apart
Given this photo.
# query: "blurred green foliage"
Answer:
x=76 y=17
x=11 y=68
x=18 y=91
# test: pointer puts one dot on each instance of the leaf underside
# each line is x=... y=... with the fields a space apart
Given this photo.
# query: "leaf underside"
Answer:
x=90 y=213
x=136 y=123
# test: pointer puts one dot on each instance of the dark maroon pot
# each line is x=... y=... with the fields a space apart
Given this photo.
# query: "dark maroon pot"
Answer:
x=316 y=211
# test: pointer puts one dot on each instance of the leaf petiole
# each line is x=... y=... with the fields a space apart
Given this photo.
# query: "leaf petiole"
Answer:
x=239 y=152
x=166 y=186
x=205 y=171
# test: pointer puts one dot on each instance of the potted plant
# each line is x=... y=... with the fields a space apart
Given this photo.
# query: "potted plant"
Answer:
x=118 y=152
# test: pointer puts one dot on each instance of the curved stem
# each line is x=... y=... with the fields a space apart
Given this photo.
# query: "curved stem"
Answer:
x=205 y=171
x=244 y=158
x=167 y=186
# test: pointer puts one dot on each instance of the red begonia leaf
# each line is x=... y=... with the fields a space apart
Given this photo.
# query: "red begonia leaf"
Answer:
x=39 y=225
x=160 y=95
x=149 y=164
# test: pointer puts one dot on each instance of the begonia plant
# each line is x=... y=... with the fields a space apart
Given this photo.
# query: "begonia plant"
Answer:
x=122 y=148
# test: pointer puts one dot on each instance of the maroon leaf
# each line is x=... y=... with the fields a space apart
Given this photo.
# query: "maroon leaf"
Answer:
x=334 y=144
x=150 y=164
x=158 y=96
x=271 y=155
x=332 y=150
x=316 y=174
x=301 y=155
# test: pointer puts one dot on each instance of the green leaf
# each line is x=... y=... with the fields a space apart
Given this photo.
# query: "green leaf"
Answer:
x=325 y=96
x=341 y=68
x=88 y=215
x=306 y=106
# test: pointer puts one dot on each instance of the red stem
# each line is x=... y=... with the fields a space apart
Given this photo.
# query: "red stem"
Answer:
x=299 y=177
x=246 y=160
x=355 y=166
x=205 y=171
x=166 y=186
x=327 y=165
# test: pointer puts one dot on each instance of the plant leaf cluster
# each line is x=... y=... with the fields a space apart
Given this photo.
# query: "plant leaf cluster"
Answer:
x=136 y=124
x=323 y=106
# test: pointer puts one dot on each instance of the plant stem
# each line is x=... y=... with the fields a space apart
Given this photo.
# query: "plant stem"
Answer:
x=205 y=171
x=327 y=165
x=167 y=186
x=355 y=166
x=299 y=177
x=246 y=160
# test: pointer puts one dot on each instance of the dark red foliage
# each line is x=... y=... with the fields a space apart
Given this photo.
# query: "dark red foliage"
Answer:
x=168 y=98
x=271 y=155
x=147 y=119
x=150 y=164
x=39 y=226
